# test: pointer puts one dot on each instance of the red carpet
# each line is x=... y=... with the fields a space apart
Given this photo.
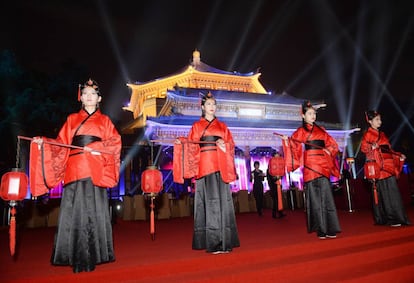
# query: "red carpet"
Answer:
x=272 y=250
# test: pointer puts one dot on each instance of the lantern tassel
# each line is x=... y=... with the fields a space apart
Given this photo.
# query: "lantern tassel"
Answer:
x=279 y=195
x=12 y=231
x=152 y=225
x=375 y=193
x=79 y=92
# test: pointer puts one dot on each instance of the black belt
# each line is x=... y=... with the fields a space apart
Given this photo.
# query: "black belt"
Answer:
x=82 y=140
x=315 y=144
x=385 y=148
x=207 y=139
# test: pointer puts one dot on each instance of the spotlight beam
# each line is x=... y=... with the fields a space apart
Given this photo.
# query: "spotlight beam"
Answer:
x=279 y=21
x=355 y=72
x=375 y=74
x=112 y=38
x=243 y=38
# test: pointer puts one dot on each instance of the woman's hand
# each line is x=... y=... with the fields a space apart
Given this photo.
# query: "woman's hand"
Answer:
x=38 y=140
x=220 y=143
x=87 y=149
x=91 y=150
x=327 y=151
x=285 y=139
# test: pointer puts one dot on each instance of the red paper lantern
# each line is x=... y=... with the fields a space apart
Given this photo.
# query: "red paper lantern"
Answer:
x=277 y=166
x=151 y=180
x=151 y=183
x=14 y=185
x=372 y=170
x=13 y=188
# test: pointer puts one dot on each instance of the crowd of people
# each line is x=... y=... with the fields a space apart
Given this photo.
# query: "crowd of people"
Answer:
x=89 y=162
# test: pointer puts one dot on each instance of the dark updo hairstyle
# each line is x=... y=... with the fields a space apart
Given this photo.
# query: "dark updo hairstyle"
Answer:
x=306 y=105
x=91 y=83
x=204 y=98
x=371 y=114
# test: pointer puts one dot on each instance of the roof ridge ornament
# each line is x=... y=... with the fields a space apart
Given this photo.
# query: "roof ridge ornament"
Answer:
x=196 y=57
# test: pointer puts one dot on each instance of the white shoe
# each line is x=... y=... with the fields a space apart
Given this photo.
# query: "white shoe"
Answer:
x=395 y=225
x=220 y=252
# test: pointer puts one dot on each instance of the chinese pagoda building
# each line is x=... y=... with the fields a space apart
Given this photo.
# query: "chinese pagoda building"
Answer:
x=167 y=107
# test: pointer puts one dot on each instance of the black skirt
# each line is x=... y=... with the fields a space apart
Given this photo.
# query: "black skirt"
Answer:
x=84 y=232
x=390 y=209
x=320 y=207
x=215 y=226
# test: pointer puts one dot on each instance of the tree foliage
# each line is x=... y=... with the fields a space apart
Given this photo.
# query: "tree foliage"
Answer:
x=34 y=103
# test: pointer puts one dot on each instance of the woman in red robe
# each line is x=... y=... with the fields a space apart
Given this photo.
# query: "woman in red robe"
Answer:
x=212 y=163
x=84 y=232
x=318 y=166
x=389 y=209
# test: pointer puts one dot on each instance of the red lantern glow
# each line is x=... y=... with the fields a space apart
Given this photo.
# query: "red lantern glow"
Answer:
x=13 y=188
x=151 y=183
x=371 y=170
x=277 y=166
x=151 y=180
x=14 y=185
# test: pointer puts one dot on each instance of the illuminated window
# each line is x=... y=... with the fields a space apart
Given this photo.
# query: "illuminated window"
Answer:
x=255 y=112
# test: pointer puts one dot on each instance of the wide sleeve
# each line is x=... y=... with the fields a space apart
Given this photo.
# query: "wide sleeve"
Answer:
x=366 y=143
x=368 y=139
x=186 y=156
x=332 y=146
x=185 y=160
x=226 y=159
x=293 y=151
x=392 y=161
x=47 y=162
x=109 y=149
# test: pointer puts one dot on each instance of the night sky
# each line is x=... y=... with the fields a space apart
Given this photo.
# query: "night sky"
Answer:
x=353 y=54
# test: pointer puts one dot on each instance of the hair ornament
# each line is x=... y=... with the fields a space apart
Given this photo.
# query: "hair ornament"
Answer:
x=89 y=83
x=371 y=114
x=305 y=106
x=206 y=96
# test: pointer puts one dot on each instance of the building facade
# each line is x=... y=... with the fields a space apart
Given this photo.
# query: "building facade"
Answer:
x=166 y=108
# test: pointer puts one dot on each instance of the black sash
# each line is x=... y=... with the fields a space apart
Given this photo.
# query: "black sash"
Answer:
x=315 y=144
x=385 y=148
x=82 y=140
x=209 y=138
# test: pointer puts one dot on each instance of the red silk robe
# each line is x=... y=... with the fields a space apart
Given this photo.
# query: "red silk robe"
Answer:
x=316 y=161
x=51 y=164
x=388 y=160
x=192 y=159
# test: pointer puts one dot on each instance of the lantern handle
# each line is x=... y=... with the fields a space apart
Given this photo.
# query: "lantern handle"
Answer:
x=390 y=151
x=298 y=141
x=65 y=145
x=172 y=141
x=17 y=152
x=152 y=154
